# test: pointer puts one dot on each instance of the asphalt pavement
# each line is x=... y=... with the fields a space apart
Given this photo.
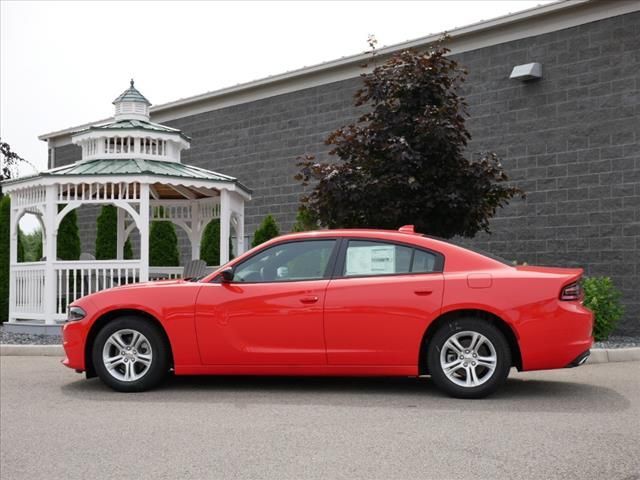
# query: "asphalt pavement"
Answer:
x=578 y=423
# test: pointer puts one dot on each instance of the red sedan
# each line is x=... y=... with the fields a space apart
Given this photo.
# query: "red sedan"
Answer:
x=338 y=302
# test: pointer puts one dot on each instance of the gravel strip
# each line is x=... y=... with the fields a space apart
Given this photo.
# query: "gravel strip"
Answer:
x=618 y=341
x=10 y=338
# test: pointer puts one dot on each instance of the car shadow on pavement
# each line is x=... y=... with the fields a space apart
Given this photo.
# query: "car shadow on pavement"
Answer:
x=530 y=395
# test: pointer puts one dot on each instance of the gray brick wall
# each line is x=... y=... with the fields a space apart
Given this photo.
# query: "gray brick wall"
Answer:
x=571 y=141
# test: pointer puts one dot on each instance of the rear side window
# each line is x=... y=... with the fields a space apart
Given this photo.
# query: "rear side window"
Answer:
x=423 y=262
x=366 y=258
x=376 y=258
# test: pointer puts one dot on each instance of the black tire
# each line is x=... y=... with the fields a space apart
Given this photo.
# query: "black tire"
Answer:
x=158 y=367
x=451 y=383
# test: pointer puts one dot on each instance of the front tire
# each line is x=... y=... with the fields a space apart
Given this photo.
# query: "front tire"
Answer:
x=468 y=358
x=130 y=355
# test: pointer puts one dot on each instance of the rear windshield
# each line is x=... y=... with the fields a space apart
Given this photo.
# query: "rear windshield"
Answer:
x=479 y=251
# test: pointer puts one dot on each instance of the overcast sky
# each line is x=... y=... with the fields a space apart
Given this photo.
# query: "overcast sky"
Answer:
x=63 y=63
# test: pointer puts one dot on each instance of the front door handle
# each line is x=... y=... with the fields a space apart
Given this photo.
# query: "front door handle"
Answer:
x=309 y=299
x=423 y=293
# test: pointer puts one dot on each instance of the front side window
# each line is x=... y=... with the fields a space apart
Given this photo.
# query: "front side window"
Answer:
x=307 y=260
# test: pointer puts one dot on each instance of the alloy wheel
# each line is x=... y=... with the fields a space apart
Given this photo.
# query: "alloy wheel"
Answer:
x=127 y=355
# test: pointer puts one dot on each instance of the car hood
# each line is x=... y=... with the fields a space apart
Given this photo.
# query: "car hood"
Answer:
x=155 y=283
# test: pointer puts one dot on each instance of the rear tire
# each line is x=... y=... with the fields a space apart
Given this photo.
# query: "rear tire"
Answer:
x=468 y=358
x=130 y=355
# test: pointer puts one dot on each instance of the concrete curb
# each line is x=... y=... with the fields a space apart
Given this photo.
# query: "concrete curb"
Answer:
x=598 y=355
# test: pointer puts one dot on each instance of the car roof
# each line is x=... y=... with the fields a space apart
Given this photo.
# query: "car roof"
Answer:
x=458 y=257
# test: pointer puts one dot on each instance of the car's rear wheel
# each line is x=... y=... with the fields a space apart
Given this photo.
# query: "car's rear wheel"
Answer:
x=130 y=355
x=468 y=358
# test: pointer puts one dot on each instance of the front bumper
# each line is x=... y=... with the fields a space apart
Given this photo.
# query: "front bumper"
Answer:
x=73 y=336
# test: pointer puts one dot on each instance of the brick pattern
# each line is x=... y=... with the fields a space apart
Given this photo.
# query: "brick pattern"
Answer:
x=571 y=141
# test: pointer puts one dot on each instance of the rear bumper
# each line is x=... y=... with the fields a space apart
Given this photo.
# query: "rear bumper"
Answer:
x=557 y=339
x=580 y=359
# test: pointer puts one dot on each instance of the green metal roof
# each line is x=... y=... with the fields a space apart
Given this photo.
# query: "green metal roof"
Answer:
x=136 y=125
x=134 y=166
x=131 y=94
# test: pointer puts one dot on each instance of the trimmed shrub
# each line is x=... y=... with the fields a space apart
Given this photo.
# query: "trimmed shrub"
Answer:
x=5 y=236
x=68 y=244
x=304 y=220
x=603 y=299
x=267 y=230
x=20 y=246
x=210 y=245
x=107 y=235
x=163 y=245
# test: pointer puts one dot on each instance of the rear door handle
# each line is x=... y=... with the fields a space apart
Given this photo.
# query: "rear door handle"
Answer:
x=423 y=293
x=309 y=299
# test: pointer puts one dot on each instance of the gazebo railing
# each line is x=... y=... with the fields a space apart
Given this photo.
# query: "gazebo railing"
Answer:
x=75 y=279
x=28 y=292
x=165 y=273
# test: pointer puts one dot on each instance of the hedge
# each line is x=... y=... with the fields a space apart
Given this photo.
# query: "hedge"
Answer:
x=107 y=235
x=5 y=236
x=267 y=230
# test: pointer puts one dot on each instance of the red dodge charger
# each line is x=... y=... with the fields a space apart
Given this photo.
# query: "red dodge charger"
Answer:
x=338 y=302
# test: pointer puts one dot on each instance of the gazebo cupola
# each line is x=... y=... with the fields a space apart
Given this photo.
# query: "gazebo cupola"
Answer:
x=131 y=133
x=132 y=105
x=134 y=165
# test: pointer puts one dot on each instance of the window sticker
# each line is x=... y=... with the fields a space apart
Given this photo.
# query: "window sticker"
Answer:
x=373 y=260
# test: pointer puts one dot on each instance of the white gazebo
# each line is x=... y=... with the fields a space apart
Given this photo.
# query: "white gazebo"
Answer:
x=135 y=165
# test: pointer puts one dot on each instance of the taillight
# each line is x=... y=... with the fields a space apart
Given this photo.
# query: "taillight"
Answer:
x=571 y=292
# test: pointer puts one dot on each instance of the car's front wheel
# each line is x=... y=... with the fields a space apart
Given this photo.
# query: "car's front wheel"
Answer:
x=130 y=355
x=468 y=358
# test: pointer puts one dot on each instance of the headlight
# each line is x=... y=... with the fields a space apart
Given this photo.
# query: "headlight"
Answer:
x=75 y=313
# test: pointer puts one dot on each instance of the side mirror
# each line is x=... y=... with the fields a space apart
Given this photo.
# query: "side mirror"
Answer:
x=227 y=275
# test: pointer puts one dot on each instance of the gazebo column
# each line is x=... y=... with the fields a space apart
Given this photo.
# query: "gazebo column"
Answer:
x=143 y=228
x=225 y=225
x=120 y=237
x=13 y=255
x=50 y=253
x=196 y=230
x=240 y=233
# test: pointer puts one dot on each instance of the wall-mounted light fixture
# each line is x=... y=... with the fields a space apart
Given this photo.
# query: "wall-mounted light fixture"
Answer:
x=528 y=71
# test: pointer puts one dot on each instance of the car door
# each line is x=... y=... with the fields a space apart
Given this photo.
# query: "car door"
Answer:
x=272 y=311
x=380 y=302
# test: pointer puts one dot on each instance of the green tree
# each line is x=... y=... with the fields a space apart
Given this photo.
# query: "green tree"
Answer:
x=304 y=220
x=163 y=245
x=9 y=162
x=29 y=246
x=210 y=245
x=5 y=237
x=403 y=161
x=107 y=235
x=20 y=246
x=68 y=241
x=267 y=230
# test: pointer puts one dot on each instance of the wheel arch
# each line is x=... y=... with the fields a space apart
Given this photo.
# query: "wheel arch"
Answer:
x=111 y=315
x=501 y=324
